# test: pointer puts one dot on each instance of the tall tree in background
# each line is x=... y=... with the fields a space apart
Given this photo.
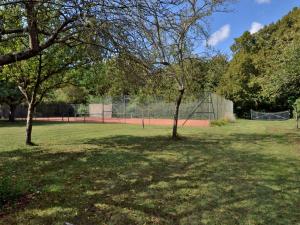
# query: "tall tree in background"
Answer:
x=264 y=71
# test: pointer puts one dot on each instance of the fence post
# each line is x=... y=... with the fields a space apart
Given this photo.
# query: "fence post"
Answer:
x=124 y=99
x=143 y=123
x=102 y=111
x=209 y=102
x=148 y=115
x=297 y=119
x=217 y=107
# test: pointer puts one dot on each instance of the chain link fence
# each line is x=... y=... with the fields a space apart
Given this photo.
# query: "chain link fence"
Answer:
x=206 y=106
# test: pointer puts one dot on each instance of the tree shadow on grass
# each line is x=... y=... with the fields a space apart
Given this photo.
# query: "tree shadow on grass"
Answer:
x=154 y=180
x=22 y=123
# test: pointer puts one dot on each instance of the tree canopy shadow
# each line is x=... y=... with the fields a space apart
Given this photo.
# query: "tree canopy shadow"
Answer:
x=126 y=179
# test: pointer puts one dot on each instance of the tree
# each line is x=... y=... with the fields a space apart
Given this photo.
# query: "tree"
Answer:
x=39 y=75
x=264 y=71
x=158 y=35
x=204 y=74
x=285 y=81
x=38 y=25
x=169 y=35
x=55 y=21
x=239 y=84
x=116 y=76
x=42 y=24
x=69 y=94
x=11 y=96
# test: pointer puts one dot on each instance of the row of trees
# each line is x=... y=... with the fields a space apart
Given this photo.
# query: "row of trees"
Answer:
x=45 y=45
x=120 y=76
x=264 y=73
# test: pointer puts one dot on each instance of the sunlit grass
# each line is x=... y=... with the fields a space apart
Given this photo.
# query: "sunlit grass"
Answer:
x=242 y=173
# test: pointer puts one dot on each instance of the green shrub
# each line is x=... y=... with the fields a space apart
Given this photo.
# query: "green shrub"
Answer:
x=11 y=190
x=229 y=117
x=219 y=123
x=296 y=107
x=82 y=109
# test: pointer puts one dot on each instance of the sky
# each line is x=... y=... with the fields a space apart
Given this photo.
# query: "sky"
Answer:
x=245 y=15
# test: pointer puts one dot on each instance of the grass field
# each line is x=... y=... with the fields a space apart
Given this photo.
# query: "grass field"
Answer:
x=242 y=173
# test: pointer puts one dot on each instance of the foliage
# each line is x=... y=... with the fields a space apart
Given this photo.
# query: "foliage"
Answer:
x=69 y=94
x=122 y=76
x=264 y=71
x=224 y=121
x=9 y=93
x=39 y=75
x=82 y=110
x=204 y=74
x=117 y=76
x=39 y=25
x=296 y=107
x=218 y=123
x=238 y=84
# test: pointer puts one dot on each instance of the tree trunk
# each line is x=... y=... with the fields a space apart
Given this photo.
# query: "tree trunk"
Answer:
x=175 y=123
x=12 y=109
x=29 y=124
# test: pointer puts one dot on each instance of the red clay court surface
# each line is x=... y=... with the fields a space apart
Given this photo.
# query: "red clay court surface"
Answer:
x=136 y=121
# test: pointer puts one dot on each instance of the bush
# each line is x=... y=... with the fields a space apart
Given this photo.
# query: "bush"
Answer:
x=82 y=109
x=219 y=123
x=296 y=107
x=229 y=117
x=11 y=190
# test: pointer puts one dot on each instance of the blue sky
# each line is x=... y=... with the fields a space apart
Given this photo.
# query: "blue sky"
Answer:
x=246 y=14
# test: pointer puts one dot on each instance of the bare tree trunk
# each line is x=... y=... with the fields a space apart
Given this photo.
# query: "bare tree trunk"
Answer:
x=12 y=109
x=29 y=124
x=175 y=123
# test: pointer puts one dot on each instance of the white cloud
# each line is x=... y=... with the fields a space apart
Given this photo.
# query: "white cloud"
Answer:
x=263 y=1
x=255 y=26
x=219 y=36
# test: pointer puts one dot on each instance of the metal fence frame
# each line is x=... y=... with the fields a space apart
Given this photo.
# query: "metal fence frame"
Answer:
x=207 y=106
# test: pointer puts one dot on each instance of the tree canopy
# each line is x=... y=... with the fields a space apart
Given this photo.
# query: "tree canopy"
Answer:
x=264 y=73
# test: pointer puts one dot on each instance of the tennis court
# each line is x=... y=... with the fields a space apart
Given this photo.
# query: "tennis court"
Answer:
x=135 y=121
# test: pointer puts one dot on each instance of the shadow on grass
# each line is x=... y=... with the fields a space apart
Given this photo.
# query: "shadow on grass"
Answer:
x=153 y=180
x=22 y=123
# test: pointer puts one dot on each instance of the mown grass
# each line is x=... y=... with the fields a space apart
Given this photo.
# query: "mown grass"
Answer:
x=242 y=173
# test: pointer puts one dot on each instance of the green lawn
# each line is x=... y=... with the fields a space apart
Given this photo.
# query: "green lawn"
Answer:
x=242 y=173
